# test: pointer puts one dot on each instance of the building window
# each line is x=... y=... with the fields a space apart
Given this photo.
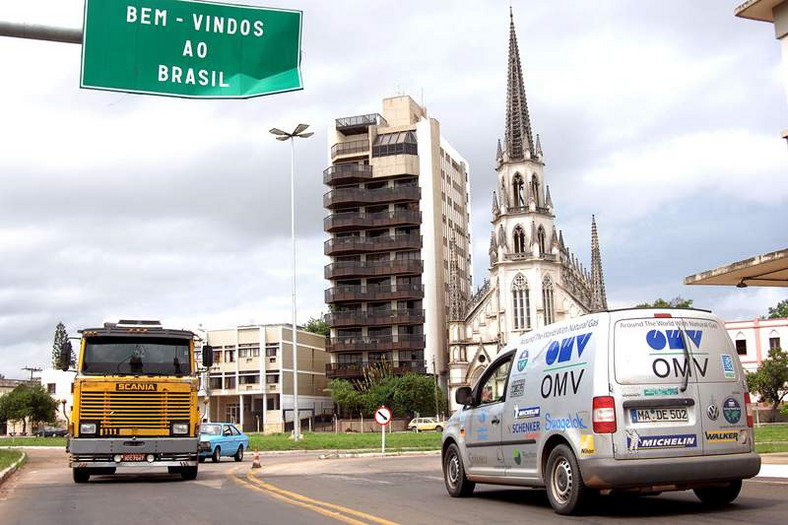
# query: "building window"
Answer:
x=215 y=383
x=229 y=383
x=50 y=388
x=540 y=239
x=217 y=356
x=229 y=356
x=774 y=343
x=249 y=379
x=270 y=350
x=403 y=142
x=521 y=303
x=741 y=346
x=233 y=412
x=518 y=191
x=519 y=239
x=548 y=300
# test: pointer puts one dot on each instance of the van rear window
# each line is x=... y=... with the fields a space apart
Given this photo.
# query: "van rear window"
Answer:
x=654 y=351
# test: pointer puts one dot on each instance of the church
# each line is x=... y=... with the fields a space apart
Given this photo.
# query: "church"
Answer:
x=534 y=279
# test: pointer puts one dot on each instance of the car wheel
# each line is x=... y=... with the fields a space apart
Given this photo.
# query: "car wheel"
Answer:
x=719 y=496
x=439 y=429
x=202 y=459
x=217 y=453
x=565 y=488
x=189 y=473
x=239 y=456
x=414 y=429
x=81 y=475
x=457 y=483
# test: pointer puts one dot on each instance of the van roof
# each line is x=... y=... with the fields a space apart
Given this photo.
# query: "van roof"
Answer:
x=654 y=308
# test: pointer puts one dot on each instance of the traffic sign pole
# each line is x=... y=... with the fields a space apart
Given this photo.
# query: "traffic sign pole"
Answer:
x=383 y=439
x=383 y=418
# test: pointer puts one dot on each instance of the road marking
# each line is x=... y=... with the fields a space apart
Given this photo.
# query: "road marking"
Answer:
x=322 y=507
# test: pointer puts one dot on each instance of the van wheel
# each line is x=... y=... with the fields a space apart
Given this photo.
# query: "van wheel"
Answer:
x=565 y=488
x=239 y=456
x=719 y=496
x=457 y=484
x=81 y=475
x=217 y=454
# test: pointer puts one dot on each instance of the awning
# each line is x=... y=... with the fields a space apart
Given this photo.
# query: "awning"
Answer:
x=770 y=269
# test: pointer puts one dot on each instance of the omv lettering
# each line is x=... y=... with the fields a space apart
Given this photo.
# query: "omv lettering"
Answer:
x=681 y=368
x=563 y=352
x=556 y=385
x=672 y=339
x=564 y=423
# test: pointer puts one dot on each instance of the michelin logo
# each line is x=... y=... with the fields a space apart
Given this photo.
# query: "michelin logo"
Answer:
x=636 y=442
x=526 y=412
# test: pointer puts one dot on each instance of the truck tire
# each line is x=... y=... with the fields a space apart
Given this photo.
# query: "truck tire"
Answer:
x=719 y=496
x=217 y=454
x=565 y=488
x=189 y=473
x=239 y=456
x=457 y=483
x=80 y=475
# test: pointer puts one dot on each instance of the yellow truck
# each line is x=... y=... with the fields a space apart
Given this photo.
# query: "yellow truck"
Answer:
x=135 y=400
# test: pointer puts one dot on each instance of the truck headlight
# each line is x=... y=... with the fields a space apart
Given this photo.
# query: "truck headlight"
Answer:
x=87 y=428
x=180 y=428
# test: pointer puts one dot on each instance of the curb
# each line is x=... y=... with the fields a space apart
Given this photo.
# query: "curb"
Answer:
x=342 y=455
x=5 y=474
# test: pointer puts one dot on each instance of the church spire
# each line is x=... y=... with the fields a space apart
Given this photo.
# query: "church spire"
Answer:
x=598 y=297
x=518 y=136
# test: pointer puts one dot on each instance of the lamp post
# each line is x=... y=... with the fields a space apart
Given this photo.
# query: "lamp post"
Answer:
x=283 y=135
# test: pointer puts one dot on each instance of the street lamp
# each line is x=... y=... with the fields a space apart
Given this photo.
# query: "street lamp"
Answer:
x=283 y=135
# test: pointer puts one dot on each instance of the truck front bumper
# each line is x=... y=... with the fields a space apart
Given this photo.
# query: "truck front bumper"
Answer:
x=103 y=452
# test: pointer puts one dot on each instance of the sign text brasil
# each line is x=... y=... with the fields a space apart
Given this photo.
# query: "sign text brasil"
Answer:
x=190 y=49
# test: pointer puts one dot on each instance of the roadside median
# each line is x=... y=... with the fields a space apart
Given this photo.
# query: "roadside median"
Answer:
x=10 y=461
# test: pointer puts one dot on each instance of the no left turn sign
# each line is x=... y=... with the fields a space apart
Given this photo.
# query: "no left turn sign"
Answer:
x=383 y=416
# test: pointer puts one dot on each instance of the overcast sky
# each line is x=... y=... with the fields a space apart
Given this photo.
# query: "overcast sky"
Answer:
x=661 y=117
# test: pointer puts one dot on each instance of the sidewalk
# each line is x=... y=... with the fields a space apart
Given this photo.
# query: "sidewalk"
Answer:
x=774 y=465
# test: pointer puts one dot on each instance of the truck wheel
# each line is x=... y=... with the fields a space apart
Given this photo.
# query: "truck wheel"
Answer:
x=565 y=488
x=239 y=456
x=81 y=475
x=719 y=496
x=202 y=459
x=189 y=473
x=217 y=454
x=457 y=483
x=174 y=470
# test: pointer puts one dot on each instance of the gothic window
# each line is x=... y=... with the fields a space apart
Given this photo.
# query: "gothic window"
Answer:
x=521 y=303
x=548 y=300
x=540 y=239
x=518 y=188
x=519 y=240
x=535 y=189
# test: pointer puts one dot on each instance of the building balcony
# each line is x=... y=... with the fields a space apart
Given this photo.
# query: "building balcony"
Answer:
x=342 y=269
x=349 y=370
x=384 y=243
x=354 y=148
x=350 y=173
x=374 y=318
x=359 y=220
x=273 y=388
x=358 y=124
x=381 y=343
x=374 y=293
x=362 y=196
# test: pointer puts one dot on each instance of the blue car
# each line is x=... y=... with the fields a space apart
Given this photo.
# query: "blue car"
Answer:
x=222 y=439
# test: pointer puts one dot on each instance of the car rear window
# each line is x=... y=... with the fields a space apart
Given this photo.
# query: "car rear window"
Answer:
x=652 y=351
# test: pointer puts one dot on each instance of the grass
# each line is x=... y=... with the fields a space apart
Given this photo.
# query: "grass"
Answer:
x=347 y=441
x=33 y=442
x=771 y=438
x=8 y=458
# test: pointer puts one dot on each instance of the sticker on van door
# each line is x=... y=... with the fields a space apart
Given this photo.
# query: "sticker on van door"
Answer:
x=565 y=366
x=727 y=366
x=636 y=442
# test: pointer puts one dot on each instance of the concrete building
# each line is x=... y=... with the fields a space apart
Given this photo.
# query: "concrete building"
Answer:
x=776 y=13
x=7 y=385
x=534 y=278
x=60 y=385
x=754 y=339
x=251 y=380
x=398 y=197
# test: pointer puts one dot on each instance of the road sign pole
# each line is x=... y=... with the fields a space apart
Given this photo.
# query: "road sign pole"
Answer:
x=382 y=439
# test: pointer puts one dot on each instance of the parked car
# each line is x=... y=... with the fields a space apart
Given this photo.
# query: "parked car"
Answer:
x=222 y=439
x=420 y=424
x=50 y=432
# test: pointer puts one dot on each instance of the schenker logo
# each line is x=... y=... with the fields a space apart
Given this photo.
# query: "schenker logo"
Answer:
x=144 y=387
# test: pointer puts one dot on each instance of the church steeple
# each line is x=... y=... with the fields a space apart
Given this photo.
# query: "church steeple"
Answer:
x=518 y=136
x=598 y=297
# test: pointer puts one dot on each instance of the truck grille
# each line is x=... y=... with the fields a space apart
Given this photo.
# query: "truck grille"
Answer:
x=128 y=412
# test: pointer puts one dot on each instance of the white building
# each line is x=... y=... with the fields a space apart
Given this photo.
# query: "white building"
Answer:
x=60 y=385
x=754 y=339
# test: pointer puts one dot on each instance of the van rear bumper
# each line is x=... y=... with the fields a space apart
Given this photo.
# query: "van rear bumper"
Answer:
x=696 y=470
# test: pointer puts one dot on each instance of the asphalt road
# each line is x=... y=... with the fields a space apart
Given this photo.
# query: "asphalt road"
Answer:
x=305 y=489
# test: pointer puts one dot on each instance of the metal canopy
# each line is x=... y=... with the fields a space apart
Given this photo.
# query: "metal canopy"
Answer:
x=770 y=269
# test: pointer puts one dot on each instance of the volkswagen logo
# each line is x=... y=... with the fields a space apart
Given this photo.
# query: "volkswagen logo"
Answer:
x=713 y=412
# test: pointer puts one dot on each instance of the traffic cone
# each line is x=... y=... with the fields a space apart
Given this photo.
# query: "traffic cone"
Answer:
x=256 y=460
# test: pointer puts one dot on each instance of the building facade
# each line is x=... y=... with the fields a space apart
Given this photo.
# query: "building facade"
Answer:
x=251 y=380
x=60 y=385
x=754 y=338
x=534 y=279
x=398 y=197
x=13 y=427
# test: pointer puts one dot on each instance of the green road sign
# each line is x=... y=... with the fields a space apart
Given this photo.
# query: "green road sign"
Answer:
x=186 y=48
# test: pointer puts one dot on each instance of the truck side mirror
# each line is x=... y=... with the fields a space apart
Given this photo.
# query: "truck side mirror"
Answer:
x=464 y=396
x=64 y=359
x=207 y=356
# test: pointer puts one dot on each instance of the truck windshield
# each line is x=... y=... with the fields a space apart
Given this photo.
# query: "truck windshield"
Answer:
x=136 y=356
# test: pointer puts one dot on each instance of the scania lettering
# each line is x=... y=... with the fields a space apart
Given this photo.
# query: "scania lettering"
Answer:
x=638 y=400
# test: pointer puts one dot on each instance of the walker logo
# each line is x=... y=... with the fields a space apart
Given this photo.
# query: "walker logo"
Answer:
x=636 y=442
x=141 y=387
x=722 y=437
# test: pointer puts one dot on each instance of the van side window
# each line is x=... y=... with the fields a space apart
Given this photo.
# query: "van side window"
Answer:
x=494 y=384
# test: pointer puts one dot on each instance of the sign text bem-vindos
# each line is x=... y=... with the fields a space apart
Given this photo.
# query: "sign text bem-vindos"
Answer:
x=186 y=48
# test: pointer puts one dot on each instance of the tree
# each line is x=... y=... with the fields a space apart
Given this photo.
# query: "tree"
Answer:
x=676 y=302
x=769 y=381
x=781 y=310
x=345 y=395
x=28 y=402
x=317 y=325
x=61 y=337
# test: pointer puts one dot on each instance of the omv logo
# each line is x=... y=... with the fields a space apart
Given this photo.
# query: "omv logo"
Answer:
x=659 y=340
x=563 y=351
x=522 y=361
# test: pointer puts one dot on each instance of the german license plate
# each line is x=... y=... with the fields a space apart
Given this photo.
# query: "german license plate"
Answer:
x=133 y=457
x=659 y=415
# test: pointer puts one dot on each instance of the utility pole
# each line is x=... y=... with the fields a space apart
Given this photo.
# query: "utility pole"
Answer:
x=32 y=370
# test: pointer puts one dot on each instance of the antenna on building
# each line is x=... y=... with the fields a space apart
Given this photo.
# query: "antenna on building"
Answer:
x=422 y=97
x=32 y=370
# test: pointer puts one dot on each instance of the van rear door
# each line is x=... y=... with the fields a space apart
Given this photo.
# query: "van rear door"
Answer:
x=656 y=364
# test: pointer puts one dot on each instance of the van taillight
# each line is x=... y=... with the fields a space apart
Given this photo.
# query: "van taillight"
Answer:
x=748 y=408
x=604 y=417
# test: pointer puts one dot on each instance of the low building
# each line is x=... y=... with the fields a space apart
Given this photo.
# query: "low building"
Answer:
x=754 y=338
x=7 y=385
x=60 y=385
x=251 y=380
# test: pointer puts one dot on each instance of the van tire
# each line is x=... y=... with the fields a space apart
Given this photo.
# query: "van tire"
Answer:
x=565 y=488
x=719 y=496
x=457 y=483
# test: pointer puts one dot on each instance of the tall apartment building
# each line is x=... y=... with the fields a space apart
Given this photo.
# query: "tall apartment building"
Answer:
x=398 y=199
x=251 y=380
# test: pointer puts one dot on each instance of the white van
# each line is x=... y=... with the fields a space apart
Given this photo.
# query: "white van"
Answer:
x=641 y=400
